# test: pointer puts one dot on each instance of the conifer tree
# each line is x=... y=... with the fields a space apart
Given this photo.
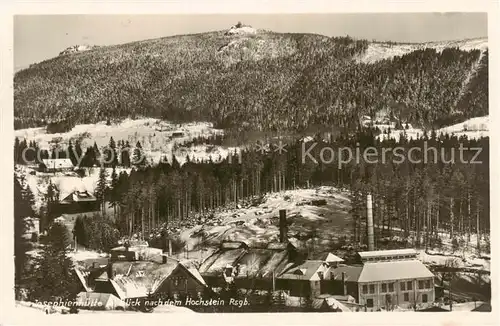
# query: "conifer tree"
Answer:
x=72 y=154
x=138 y=156
x=52 y=276
x=22 y=210
x=101 y=189
x=125 y=155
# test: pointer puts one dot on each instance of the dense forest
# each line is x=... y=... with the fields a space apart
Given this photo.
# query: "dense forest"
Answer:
x=267 y=81
x=439 y=190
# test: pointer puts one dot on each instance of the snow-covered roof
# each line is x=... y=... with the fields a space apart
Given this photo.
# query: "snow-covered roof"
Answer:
x=328 y=257
x=260 y=262
x=232 y=245
x=387 y=253
x=306 y=271
x=351 y=273
x=333 y=303
x=137 y=279
x=216 y=263
x=79 y=196
x=58 y=163
x=394 y=270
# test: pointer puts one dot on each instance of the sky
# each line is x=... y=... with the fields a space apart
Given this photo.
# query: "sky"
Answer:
x=41 y=37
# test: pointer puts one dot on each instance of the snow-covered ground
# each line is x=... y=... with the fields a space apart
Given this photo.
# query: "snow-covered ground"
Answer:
x=473 y=128
x=379 y=51
x=258 y=224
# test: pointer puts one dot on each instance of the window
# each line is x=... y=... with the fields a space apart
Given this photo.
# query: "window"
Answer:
x=369 y=303
x=428 y=284
x=406 y=296
x=384 y=287
x=420 y=284
x=365 y=289
x=403 y=286
x=320 y=275
x=176 y=281
x=424 y=298
x=409 y=285
x=372 y=288
x=391 y=287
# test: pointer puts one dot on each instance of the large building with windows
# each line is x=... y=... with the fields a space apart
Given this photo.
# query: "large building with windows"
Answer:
x=394 y=278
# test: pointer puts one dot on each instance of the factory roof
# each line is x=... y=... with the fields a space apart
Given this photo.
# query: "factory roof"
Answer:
x=394 y=270
x=388 y=254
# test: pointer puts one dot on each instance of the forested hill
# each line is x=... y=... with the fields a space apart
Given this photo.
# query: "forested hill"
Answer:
x=252 y=79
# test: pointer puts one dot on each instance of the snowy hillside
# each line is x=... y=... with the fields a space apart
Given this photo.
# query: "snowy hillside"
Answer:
x=473 y=128
x=325 y=209
x=157 y=137
x=379 y=51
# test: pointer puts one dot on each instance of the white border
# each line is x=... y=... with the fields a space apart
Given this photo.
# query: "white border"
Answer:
x=7 y=10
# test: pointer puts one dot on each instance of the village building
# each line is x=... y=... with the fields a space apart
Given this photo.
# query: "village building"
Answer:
x=79 y=202
x=394 y=278
x=130 y=280
x=324 y=275
x=56 y=165
x=366 y=121
x=136 y=250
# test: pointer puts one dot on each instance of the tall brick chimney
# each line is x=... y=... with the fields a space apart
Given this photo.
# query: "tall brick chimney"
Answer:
x=283 y=226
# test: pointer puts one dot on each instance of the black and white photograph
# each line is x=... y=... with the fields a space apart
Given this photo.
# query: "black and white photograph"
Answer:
x=251 y=163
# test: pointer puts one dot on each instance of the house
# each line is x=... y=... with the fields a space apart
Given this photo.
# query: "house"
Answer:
x=79 y=202
x=304 y=280
x=56 y=165
x=315 y=278
x=33 y=228
x=141 y=279
x=382 y=115
x=135 y=252
x=366 y=121
x=394 y=278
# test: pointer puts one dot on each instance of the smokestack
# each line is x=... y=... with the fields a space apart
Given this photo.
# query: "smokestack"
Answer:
x=283 y=226
x=344 y=287
x=164 y=258
x=369 y=223
x=109 y=270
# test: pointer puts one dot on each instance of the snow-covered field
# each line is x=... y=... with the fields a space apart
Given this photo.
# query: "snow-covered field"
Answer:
x=379 y=51
x=157 y=137
x=473 y=128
